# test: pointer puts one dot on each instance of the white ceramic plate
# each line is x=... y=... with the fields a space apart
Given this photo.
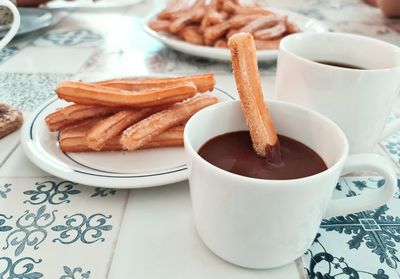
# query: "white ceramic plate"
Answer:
x=61 y=4
x=143 y=168
x=32 y=19
x=304 y=23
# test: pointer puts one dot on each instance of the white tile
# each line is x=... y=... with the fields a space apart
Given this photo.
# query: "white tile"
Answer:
x=7 y=145
x=158 y=240
x=47 y=60
x=18 y=165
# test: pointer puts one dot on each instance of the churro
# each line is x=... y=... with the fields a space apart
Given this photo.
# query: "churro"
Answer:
x=73 y=138
x=144 y=131
x=271 y=32
x=204 y=82
x=75 y=113
x=113 y=126
x=245 y=69
x=94 y=94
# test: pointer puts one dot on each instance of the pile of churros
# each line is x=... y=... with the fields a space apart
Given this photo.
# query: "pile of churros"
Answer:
x=212 y=23
x=128 y=114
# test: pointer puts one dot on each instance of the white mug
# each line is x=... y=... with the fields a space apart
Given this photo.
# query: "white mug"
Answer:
x=259 y=223
x=14 y=25
x=359 y=101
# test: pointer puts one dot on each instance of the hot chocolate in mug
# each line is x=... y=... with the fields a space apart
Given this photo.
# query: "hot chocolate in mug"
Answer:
x=9 y=19
x=265 y=223
x=358 y=100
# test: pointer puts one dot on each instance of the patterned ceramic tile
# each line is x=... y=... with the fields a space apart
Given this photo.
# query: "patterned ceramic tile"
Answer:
x=361 y=245
x=28 y=91
x=41 y=218
x=7 y=52
x=70 y=38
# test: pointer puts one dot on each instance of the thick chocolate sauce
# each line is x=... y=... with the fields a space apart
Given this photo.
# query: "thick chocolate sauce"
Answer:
x=233 y=152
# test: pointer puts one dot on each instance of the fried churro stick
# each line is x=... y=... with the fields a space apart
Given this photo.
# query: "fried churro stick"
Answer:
x=261 y=22
x=73 y=139
x=268 y=44
x=238 y=21
x=214 y=32
x=144 y=131
x=94 y=94
x=271 y=33
x=160 y=25
x=221 y=43
x=204 y=82
x=235 y=8
x=75 y=113
x=192 y=35
x=244 y=63
x=180 y=23
x=114 y=125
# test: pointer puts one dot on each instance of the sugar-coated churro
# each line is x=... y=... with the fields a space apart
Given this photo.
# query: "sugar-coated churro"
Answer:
x=271 y=32
x=245 y=69
x=113 y=125
x=94 y=94
x=73 y=139
x=144 y=131
x=203 y=82
x=75 y=113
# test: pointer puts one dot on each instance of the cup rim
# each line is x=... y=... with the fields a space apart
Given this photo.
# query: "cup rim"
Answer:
x=286 y=39
x=246 y=179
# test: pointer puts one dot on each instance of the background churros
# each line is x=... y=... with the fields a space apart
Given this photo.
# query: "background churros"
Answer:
x=128 y=114
x=211 y=23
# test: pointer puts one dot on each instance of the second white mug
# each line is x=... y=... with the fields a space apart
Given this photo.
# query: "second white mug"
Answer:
x=358 y=100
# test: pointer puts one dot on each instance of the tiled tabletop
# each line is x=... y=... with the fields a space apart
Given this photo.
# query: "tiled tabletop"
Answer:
x=51 y=228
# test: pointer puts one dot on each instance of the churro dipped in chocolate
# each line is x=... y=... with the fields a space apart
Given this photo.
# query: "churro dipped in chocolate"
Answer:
x=245 y=69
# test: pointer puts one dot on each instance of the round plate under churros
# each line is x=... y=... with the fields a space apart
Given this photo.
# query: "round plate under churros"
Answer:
x=304 y=23
x=116 y=169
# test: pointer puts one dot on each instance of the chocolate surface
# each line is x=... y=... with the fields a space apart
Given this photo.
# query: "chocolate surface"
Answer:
x=233 y=152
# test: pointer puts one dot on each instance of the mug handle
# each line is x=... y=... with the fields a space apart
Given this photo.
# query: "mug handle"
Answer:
x=369 y=200
x=391 y=128
x=15 y=25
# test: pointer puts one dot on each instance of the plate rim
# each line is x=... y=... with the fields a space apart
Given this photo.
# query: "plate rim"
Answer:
x=103 y=178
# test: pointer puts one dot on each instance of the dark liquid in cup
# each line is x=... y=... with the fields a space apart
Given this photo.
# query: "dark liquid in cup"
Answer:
x=341 y=65
x=233 y=152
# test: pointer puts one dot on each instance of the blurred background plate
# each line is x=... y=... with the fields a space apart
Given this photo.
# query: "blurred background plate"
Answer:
x=32 y=19
x=60 y=4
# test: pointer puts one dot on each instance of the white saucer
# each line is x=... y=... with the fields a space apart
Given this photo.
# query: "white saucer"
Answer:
x=306 y=24
x=143 y=168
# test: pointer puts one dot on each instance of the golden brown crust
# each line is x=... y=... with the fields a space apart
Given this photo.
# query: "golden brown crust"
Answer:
x=144 y=131
x=94 y=94
x=245 y=69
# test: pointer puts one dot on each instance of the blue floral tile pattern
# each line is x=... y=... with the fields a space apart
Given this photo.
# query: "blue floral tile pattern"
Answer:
x=68 y=38
x=373 y=235
x=392 y=147
x=4 y=190
x=47 y=217
x=3 y=226
x=23 y=268
x=52 y=192
x=103 y=192
x=75 y=273
x=79 y=227
x=30 y=230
